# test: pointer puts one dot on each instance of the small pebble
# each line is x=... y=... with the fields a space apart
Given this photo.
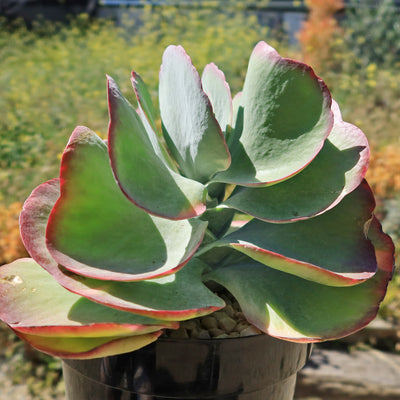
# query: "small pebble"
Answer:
x=240 y=326
x=190 y=324
x=180 y=333
x=250 y=331
x=220 y=314
x=209 y=322
x=222 y=336
x=229 y=311
x=227 y=324
x=203 y=334
x=214 y=332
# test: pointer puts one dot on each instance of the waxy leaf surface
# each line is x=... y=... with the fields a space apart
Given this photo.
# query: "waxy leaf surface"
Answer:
x=331 y=248
x=33 y=222
x=289 y=307
x=336 y=171
x=175 y=297
x=140 y=167
x=94 y=230
x=88 y=348
x=193 y=135
x=144 y=100
x=287 y=117
x=33 y=303
x=147 y=115
x=219 y=93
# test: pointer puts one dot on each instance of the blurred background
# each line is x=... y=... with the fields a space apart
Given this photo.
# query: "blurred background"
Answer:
x=54 y=56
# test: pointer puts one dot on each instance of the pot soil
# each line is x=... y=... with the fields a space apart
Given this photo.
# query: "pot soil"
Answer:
x=247 y=368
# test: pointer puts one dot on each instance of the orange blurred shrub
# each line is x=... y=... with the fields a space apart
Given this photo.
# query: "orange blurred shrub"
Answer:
x=317 y=33
x=384 y=171
x=11 y=246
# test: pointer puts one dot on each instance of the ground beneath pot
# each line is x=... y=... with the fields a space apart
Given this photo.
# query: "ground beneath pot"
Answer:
x=340 y=375
x=330 y=375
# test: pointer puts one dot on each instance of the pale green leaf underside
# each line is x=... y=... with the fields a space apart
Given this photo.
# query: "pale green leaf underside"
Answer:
x=219 y=93
x=192 y=133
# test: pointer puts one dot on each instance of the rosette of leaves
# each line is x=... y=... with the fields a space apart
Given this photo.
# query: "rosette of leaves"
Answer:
x=263 y=194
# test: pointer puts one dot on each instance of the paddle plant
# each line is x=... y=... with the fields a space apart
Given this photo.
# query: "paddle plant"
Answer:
x=262 y=196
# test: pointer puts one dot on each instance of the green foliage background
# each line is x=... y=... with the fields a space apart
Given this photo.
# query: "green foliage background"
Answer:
x=53 y=77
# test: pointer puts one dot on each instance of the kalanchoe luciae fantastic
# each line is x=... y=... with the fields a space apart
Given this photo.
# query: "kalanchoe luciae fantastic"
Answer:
x=125 y=240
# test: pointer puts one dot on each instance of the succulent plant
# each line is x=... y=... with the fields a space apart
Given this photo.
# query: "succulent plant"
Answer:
x=263 y=195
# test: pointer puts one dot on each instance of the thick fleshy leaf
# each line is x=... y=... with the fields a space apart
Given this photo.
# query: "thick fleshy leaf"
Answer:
x=33 y=221
x=346 y=136
x=165 y=299
x=81 y=348
x=336 y=171
x=331 y=248
x=144 y=99
x=287 y=117
x=32 y=302
x=140 y=167
x=176 y=297
x=147 y=115
x=192 y=133
x=219 y=220
x=236 y=104
x=233 y=135
x=288 y=307
x=94 y=230
x=219 y=93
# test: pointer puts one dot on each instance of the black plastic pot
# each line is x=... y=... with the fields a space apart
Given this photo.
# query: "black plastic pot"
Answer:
x=250 y=368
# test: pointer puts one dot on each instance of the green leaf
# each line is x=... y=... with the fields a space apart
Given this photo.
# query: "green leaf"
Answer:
x=33 y=222
x=236 y=104
x=289 y=307
x=140 y=167
x=168 y=299
x=191 y=131
x=94 y=230
x=144 y=99
x=219 y=93
x=88 y=348
x=32 y=302
x=234 y=134
x=219 y=220
x=331 y=248
x=287 y=118
x=147 y=115
x=336 y=171
x=175 y=297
